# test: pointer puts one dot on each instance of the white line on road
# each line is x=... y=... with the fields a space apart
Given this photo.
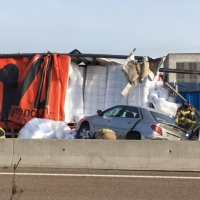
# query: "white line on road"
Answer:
x=102 y=175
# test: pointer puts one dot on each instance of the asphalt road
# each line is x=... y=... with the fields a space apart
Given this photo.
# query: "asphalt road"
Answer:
x=77 y=184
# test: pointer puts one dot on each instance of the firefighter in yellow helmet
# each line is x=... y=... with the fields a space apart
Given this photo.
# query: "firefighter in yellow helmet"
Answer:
x=185 y=116
x=2 y=133
x=105 y=134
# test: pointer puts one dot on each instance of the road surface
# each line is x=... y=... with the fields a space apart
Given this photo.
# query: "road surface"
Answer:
x=79 y=184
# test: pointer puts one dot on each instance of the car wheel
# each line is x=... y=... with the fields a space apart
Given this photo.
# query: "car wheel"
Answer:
x=84 y=132
x=133 y=135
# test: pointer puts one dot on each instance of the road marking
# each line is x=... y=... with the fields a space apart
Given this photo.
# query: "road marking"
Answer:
x=102 y=175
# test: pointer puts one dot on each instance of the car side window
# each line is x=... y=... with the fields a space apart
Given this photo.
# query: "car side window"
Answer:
x=112 y=112
x=130 y=112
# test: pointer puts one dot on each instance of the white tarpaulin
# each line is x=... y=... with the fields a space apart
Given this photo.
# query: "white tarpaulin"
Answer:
x=38 y=128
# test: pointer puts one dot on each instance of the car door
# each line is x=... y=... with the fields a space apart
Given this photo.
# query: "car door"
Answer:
x=104 y=121
x=123 y=123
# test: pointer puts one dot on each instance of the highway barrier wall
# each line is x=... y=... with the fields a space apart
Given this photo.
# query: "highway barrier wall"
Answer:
x=6 y=152
x=102 y=154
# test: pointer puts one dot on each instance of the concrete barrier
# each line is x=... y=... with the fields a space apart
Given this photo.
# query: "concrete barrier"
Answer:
x=108 y=154
x=6 y=152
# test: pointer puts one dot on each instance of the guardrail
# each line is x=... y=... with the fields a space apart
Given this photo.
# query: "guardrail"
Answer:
x=101 y=154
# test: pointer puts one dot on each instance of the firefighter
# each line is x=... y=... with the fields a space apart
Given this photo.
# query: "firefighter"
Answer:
x=2 y=133
x=185 y=116
x=105 y=134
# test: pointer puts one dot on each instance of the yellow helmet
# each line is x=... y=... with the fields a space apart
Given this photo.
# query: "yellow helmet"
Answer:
x=2 y=133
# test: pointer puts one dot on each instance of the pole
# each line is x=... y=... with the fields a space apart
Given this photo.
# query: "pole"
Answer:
x=169 y=86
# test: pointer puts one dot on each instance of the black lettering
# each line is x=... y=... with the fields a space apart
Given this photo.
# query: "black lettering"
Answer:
x=12 y=111
x=29 y=113
x=20 y=111
x=42 y=112
x=33 y=112
x=26 y=110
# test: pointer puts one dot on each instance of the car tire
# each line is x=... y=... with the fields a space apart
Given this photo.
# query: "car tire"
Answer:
x=84 y=132
x=133 y=135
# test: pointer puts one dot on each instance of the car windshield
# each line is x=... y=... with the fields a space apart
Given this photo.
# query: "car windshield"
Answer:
x=161 y=117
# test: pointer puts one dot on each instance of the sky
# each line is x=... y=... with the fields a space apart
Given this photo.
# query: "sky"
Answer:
x=154 y=27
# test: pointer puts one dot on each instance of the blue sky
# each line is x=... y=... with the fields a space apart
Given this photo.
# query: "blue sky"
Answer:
x=154 y=27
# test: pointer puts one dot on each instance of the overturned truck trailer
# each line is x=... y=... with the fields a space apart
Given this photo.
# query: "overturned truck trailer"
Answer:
x=34 y=85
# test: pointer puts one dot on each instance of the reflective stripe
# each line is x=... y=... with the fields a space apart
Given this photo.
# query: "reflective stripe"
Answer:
x=2 y=132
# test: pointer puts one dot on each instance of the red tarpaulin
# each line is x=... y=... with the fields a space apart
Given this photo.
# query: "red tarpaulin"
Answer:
x=32 y=87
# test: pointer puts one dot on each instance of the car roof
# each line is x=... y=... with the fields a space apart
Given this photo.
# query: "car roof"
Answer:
x=149 y=109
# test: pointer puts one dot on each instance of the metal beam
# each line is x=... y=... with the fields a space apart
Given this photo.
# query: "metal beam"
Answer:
x=179 y=71
x=77 y=54
x=19 y=55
